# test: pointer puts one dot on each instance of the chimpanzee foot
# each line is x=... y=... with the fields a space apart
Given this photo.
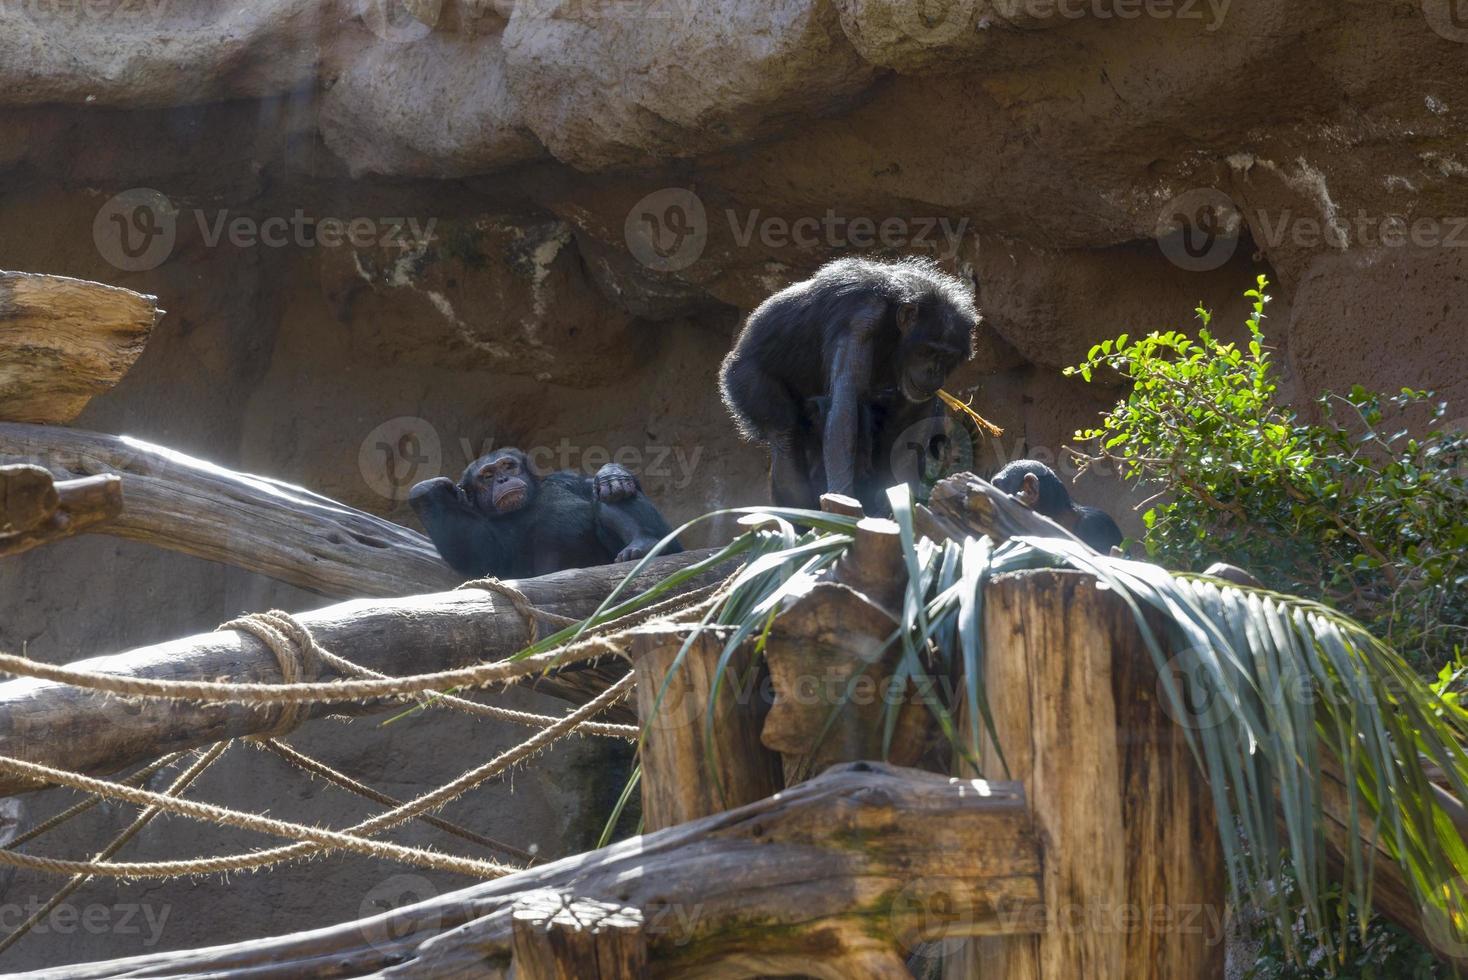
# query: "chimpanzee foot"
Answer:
x=637 y=549
x=613 y=483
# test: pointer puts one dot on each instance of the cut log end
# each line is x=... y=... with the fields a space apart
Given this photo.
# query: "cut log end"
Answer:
x=558 y=937
x=35 y=509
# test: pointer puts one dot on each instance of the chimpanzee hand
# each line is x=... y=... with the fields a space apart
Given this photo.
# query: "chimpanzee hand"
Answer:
x=613 y=483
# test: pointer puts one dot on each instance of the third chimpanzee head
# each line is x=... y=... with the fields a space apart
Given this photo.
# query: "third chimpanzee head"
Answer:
x=1036 y=485
x=500 y=483
x=937 y=319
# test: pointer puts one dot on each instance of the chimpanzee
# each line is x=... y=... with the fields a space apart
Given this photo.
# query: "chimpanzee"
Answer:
x=895 y=443
x=1039 y=489
x=501 y=519
x=871 y=336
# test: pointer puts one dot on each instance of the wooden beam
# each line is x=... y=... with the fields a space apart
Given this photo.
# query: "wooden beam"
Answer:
x=253 y=522
x=64 y=341
x=35 y=509
x=96 y=733
x=866 y=858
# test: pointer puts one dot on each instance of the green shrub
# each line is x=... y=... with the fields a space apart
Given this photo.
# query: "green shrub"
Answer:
x=1352 y=509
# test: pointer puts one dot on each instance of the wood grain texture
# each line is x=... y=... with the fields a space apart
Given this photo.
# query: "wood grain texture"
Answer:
x=683 y=776
x=97 y=733
x=1134 y=882
x=560 y=937
x=964 y=505
x=64 y=341
x=253 y=522
x=857 y=857
x=36 y=509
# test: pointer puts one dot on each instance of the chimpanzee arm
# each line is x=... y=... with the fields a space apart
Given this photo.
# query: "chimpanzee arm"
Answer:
x=457 y=530
x=848 y=379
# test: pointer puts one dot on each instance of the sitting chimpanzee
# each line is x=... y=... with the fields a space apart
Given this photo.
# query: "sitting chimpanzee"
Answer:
x=501 y=519
x=877 y=339
x=1038 y=488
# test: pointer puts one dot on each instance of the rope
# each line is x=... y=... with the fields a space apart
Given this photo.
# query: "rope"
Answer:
x=307 y=643
x=313 y=840
x=204 y=761
x=529 y=719
x=209 y=813
x=318 y=768
x=295 y=650
x=479 y=675
x=50 y=824
x=521 y=602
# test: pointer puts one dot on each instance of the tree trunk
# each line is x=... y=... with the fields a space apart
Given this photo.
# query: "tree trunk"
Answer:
x=262 y=525
x=1134 y=880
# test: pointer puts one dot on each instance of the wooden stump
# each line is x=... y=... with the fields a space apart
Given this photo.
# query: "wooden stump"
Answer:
x=684 y=776
x=558 y=937
x=1134 y=879
x=831 y=669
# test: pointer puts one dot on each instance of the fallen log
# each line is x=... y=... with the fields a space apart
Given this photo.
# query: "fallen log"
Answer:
x=35 y=509
x=262 y=525
x=868 y=859
x=96 y=733
x=64 y=341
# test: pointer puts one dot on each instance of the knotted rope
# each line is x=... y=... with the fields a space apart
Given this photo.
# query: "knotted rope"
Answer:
x=531 y=615
x=295 y=649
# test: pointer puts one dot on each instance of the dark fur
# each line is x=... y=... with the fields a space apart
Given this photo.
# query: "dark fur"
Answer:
x=839 y=336
x=561 y=523
x=1091 y=524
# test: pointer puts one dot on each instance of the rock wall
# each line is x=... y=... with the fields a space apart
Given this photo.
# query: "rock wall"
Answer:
x=539 y=223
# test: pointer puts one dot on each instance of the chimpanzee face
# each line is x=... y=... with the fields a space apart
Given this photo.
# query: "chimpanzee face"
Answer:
x=931 y=348
x=500 y=483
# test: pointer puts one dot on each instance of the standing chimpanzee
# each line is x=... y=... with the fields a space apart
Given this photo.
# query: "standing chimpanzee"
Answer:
x=1038 y=488
x=875 y=339
x=501 y=519
x=903 y=443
